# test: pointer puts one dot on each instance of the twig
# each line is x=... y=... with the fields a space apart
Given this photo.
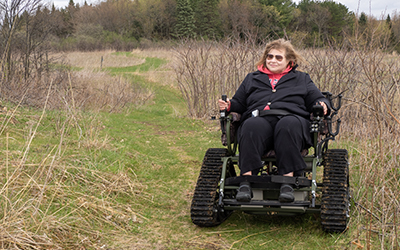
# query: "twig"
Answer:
x=357 y=243
x=262 y=244
x=388 y=109
x=366 y=209
x=6 y=203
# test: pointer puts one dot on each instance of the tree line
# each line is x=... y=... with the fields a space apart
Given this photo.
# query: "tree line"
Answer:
x=29 y=29
x=125 y=23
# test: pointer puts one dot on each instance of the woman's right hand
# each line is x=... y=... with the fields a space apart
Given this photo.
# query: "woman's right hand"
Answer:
x=223 y=105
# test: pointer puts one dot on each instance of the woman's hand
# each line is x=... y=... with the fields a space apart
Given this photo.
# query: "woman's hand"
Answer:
x=325 y=107
x=223 y=105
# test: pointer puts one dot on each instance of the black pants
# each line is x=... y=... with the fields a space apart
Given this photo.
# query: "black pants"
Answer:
x=258 y=135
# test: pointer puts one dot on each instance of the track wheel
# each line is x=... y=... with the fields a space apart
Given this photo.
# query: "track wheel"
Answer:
x=204 y=210
x=335 y=195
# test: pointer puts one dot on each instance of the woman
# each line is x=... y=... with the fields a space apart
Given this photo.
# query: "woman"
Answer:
x=276 y=86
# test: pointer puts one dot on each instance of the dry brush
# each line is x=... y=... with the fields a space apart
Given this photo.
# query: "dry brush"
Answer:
x=207 y=69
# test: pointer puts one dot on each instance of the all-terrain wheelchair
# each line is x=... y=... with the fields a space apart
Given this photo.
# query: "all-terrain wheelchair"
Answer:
x=325 y=192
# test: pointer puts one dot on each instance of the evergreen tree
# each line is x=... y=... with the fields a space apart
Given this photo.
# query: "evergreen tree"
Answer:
x=363 y=26
x=266 y=20
x=389 y=22
x=392 y=38
x=339 y=21
x=185 y=26
x=362 y=21
x=68 y=16
x=285 y=9
x=207 y=20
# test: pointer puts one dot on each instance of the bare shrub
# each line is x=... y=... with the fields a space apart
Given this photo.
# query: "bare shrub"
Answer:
x=369 y=79
x=207 y=69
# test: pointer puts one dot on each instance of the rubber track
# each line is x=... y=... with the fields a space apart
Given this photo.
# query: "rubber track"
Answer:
x=335 y=195
x=203 y=209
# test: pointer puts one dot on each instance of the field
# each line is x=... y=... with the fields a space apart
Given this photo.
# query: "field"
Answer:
x=122 y=177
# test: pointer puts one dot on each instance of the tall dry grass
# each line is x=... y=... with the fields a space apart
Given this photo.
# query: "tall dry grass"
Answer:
x=370 y=82
x=87 y=88
x=59 y=202
x=52 y=196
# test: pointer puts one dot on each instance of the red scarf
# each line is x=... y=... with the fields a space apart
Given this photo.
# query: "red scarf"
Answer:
x=273 y=77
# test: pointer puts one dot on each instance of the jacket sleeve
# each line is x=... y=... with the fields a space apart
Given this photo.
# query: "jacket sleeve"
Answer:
x=314 y=95
x=239 y=100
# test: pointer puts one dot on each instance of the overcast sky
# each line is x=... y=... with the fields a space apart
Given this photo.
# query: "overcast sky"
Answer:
x=376 y=8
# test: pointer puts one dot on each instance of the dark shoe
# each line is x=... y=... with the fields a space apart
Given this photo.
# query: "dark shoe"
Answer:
x=244 y=193
x=286 y=194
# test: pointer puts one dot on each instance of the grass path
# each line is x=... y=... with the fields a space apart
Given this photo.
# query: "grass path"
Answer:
x=165 y=150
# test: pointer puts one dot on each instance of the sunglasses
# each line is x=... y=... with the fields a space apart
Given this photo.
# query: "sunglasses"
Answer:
x=278 y=57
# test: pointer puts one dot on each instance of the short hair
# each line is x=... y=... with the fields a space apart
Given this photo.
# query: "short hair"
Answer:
x=290 y=53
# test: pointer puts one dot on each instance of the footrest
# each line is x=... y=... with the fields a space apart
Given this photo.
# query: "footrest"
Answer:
x=268 y=181
x=269 y=203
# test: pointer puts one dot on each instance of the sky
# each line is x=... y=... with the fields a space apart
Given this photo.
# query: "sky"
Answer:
x=377 y=8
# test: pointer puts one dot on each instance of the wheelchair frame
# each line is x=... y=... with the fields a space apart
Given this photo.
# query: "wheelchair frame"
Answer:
x=214 y=196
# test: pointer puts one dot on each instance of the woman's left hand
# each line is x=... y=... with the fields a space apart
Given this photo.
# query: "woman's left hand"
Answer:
x=325 y=107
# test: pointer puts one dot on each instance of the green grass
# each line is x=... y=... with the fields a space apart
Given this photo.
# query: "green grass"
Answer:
x=122 y=53
x=151 y=63
x=160 y=150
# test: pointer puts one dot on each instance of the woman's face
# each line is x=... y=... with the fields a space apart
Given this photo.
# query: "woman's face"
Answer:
x=276 y=61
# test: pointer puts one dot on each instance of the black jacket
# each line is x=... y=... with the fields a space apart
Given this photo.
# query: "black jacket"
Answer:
x=295 y=92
